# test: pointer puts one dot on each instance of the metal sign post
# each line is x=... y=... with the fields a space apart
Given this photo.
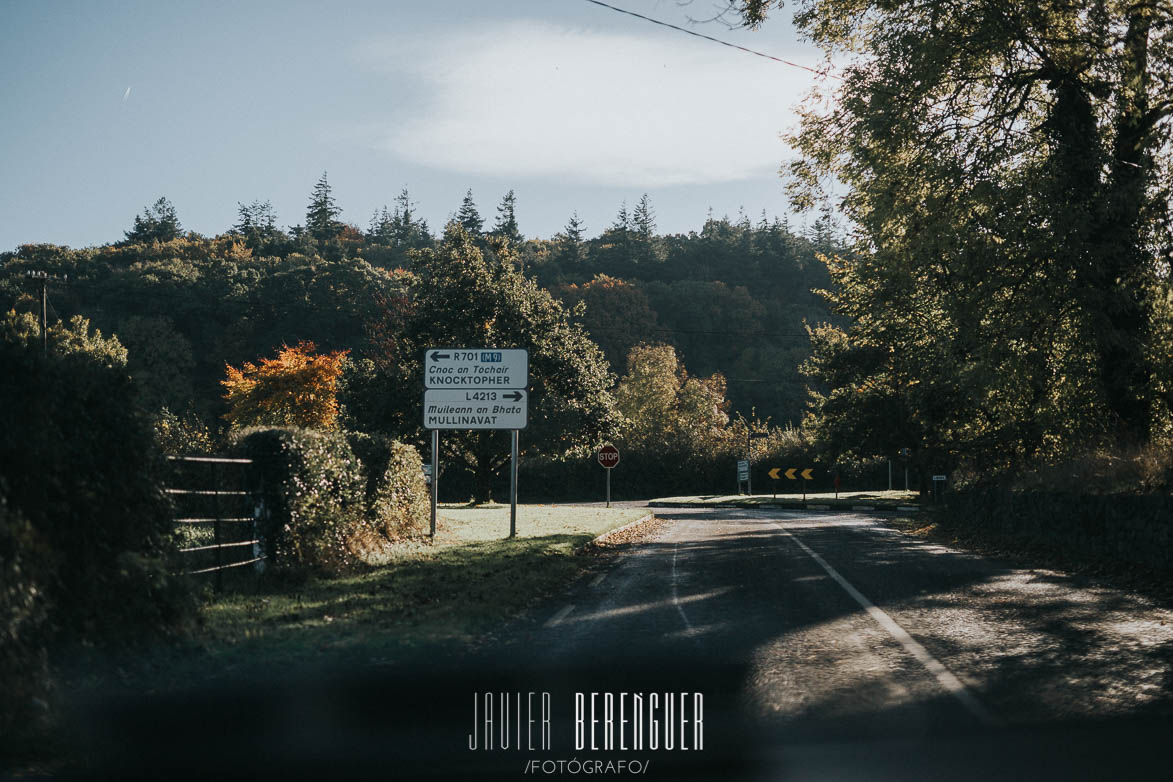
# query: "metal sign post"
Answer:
x=513 y=487
x=608 y=457
x=792 y=474
x=435 y=475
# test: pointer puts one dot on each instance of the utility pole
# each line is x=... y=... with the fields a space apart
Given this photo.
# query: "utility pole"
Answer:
x=45 y=278
x=44 y=316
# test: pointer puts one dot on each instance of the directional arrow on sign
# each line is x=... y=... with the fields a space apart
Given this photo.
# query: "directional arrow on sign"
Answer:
x=437 y=355
x=790 y=473
x=515 y=396
x=806 y=474
x=774 y=473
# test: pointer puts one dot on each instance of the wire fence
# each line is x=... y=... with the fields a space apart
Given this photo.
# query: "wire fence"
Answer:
x=216 y=515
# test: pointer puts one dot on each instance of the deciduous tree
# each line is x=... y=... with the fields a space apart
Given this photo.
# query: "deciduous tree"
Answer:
x=1007 y=167
x=617 y=315
x=297 y=388
x=666 y=410
x=465 y=297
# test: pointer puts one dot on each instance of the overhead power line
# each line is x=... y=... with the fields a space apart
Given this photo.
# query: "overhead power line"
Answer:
x=816 y=71
x=627 y=330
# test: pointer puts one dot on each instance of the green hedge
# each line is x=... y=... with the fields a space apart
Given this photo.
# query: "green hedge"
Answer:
x=397 y=503
x=330 y=496
x=24 y=665
x=313 y=489
x=86 y=542
x=666 y=473
x=80 y=465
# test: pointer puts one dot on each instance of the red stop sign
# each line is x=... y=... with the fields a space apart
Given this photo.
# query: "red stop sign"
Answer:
x=608 y=456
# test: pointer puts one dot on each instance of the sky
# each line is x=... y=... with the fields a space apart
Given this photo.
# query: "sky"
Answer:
x=577 y=108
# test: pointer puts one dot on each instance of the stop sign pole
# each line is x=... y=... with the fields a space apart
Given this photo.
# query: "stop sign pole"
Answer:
x=608 y=457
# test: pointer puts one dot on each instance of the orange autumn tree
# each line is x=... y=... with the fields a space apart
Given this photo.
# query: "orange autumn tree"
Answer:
x=297 y=388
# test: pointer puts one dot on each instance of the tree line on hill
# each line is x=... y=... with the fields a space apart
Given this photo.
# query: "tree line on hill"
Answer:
x=732 y=298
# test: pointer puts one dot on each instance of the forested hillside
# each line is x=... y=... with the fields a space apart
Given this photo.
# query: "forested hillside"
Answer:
x=732 y=297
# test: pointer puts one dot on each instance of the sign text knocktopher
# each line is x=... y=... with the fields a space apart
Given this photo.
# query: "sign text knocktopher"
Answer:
x=476 y=368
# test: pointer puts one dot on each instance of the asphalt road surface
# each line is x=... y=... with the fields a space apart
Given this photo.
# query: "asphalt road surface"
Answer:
x=825 y=646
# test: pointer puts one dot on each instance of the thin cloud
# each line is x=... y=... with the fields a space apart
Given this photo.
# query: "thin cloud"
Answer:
x=528 y=99
x=126 y=95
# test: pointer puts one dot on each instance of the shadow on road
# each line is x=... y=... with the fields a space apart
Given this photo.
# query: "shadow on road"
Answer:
x=798 y=682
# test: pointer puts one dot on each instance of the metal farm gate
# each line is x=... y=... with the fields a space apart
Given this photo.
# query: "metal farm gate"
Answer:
x=216 y=515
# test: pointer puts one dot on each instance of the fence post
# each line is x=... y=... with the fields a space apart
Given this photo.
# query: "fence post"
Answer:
x=216 y=474
x=256 y=485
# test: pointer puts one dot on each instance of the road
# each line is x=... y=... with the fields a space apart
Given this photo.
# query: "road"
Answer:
x=841 y=629
x=838 y=615
x=826 y=647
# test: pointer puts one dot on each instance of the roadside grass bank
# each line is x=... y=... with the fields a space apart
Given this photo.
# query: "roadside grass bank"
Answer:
x=417 y=599
x=878 y=500
x=418 y=602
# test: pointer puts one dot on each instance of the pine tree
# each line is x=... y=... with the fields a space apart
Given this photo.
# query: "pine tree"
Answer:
x=256 y=222
x=644 y=218
x=644 y=221
x=380 y=230
x=468 y=216
x=157 y=223
x=575 y=228
x=321 y=218
x=571 y=248
x=407 y=232
x=622 y=219
x=506 y=225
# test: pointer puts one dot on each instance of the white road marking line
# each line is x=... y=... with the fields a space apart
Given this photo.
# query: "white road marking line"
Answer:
x=558 y=617
x=944 y=676
x=598 y=579
x=675 y=592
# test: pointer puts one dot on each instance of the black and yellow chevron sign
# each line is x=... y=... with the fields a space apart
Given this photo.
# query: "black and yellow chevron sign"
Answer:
x=805 y=473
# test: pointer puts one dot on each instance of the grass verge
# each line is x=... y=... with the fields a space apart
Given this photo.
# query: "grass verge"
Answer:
x=416 y=598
